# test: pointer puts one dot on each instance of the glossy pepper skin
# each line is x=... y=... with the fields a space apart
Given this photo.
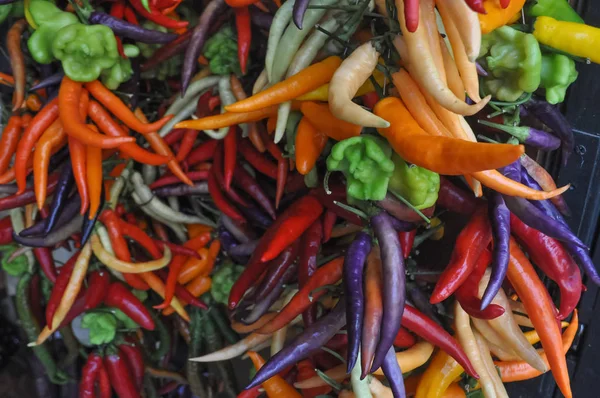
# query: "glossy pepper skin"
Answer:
x=558 y=73
x=365 y=161
x=50 y=19
x=570 y=37
x=85 y=50
x=560 y=10
x=417 y=185
x=514 y=62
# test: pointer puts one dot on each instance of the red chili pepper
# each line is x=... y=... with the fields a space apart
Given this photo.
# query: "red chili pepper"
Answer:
x=6 y=231
x=120 y=375
x=370 y=99
x=98 y=282
x=167 y=51
x=477 y=5
x=130 y=16
x=244 y=35
x=291 y=225
x=550 y=256
x=257 y=160
x=176 y=249
x=157 y=17
x=248 y=184
x=184 y=295
x=404 y=339
x=455 y=199
x=202 y=152
x=307 y=264
x=467 y=293
x=172 y=179
x=186 y=144
x=89 y=376
x=120 y=297
x=59 y=288
x=135 y=360
x=337 y=194
x=117 y=10
x=137 y=234
x=230 y=158
x=43 y=255
x=424 y=327
x=282 y=165
x=27 y=196
x=329 y=219
x=469 y=245
x=221 y=202
x=104 y=389
x=217 y=166
x=306 y=370
x=407 y=239
x=254 y=392
x=174 y=136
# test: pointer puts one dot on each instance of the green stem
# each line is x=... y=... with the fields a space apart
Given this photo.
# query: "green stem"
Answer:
x=406 y=202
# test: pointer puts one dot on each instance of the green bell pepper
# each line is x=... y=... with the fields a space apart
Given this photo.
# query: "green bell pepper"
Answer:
x=365 y=161
x=417 y=185
x=558 y=72
x=85 y=50
x=102 y=327
x=221 y=52
x=50 y=19
x=514 y=61
x=119 y=73
x=223 y=280
x=560 y=10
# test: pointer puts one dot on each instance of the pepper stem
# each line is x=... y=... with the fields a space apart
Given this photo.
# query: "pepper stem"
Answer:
x=521 y=133
x=406 y=202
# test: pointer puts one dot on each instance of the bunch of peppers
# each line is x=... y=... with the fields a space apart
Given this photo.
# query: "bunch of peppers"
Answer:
x=255 y=202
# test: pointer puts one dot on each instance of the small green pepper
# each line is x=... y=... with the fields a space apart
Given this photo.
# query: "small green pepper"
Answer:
x=365 y=161
x=120 y=72
x=417 y=185
x=223 y=280
x=221 y=52
x=514 y=61
x=50 y=19
x=558 y=72
x=5 y=10
x=560 y=10
x=102 y=327
x=85 y=50
x=18 y=266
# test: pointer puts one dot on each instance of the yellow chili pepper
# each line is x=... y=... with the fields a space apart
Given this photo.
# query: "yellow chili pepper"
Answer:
x=322 y=93
x=412 y=358
x=497 y=16
x=442 y=372
x=570 y=37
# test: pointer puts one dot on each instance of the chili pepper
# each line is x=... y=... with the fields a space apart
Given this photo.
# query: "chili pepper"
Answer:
x=6 y=230
x=133 y=356
x=43 y=256
x=187 y=144
x=9 y=141
x=120 y=374
x=230 y=154
x=470 y=243
x=323 y=120
x=354 y=263
x=309 y=145
x=373 y=312
x=256 y=160
x=276 y=386
x=108 y=126
x=89 y=375
x=31 y=135
x=329 y=219
x=94 y=178
x=328 y=200
x=277 y=269
x=117 y=12
x=244 y=35
x=89 y=219
x=130 y=30
x=17 y=61
x=123 y=266
x=404 y=339
x=541 y=311
x=27 y=196
x=120 y=297
x=172 y=179
x=246 y=182
x=489 y=156
x=64 y=186
x=31 y=329
x=59 y=288
x=306 y=371
x=327 y=274
x=570 y=37
x=407 y=239
x=202 y=152
x=157 y=17
x=167 y=51
x=187 y=295
x=307 y=263
x=282 y=166
x=220 y=201
x=545 y=180
x=197 y=40
x=78 y=162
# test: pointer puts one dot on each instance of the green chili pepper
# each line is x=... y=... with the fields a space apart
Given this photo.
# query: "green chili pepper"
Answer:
x=558 y=73
x=219 y=318
x=416 y=184
x=195 y=349
x=560 y=10
x=32 y=331
x=18 y=266
x=514 y=61
x=365 y=161
x=50 y=19
x=85 y=50
x=223 y=280
x=163 y=337
x=213 y=341
x=221 y=52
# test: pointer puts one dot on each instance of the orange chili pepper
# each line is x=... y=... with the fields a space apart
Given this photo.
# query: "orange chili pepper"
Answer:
x=9 y=141
x=94 y=178
x=193 y=266
x=33 y=103
x=69 y=101
x=53 y=138
x=276 y=386
x=17 y=61
x=79 y=164
x=32 y=134
x=541 y=311
x=197 y=287
x=323 y=120
x=309 y=144
x=158 y=286
x=121 y=111
x=194 y=230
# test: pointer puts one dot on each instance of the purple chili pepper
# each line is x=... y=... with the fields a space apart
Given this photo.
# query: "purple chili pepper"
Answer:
x=310 y=341
x=256 y=216
x=394 y=285
x=512 y=171
x=70 y=210
x=300 y=7
x=540 y=176
x=241 y=233
x=52 y=80
x=244 y=249
x=500 y=220
x=393 y=373
x=54 y=237
x=552 y=117
x=63 y=188
x=402 y=226
x=480 y=70
x=248 y=184
x=260 y=18
x=528 y=135
x=227 y=243
x=537 y=219
x=354 y=265
x=193 y=50
x=198 y=188
x=277 y=268
x=131 y=31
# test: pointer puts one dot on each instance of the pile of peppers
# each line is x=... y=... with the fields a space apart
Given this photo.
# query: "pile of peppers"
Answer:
x=187 y=185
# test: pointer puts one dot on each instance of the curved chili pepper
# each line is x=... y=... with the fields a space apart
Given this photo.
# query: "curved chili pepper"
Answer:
x=63 y=188
x=94 y=178
x=176 y=249
x=104 y=383
x=373 y=310
x=230 y=156
x=17 y=61
x=424 y=327
x=43 y=255
x=59 y=288
x=282 y=165
x=470 y=243
x=307 y=263
x=244 y=35
x=337 y=194
x=120 y=375
x=9 y=141
x=248 y=184
x=194 y=176
x=329 y=219
x=467 y=293
x=42 y=120
x=156 y=17
x=120 y=297
x=277 y=268
x=202 y=152
x=404 y=339
x=217 y=167
x=133 y=356
x=455 y=199
x=27 y=196
x=89 y=376
x=257 y=160
x=78 y=162
x=167 y=51
x=89 y=220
